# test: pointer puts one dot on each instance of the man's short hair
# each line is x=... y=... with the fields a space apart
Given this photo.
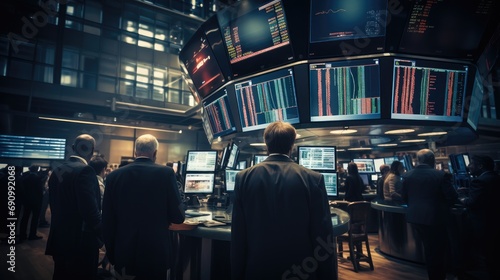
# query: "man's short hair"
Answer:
x=146 y=144
x=84 y=146
x=426 y=156
x=279 y=137
x=98 y=163
x=487 y=162
x=384 y=168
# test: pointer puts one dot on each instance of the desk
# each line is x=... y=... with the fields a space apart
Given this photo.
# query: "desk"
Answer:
x=204 y=251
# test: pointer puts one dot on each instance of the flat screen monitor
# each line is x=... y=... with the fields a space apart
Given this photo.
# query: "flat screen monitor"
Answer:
x=256 y=35
x=242 y=164
x=447 y=28
x=365 y=179
x=318 y=158
x=219 y=114
x=200 y=64
x=233 y=156
x=466 y=159
x=32 y=147
x=198 y=161
x=347 y=90
x=230 y=179
x=460 y=167
x=389 y=160
x=377 y=162
x=206 y=125
x=476 y=101
x=347 y=27
x=224 y=156
x=331 y=183
x=258 y=159
x=365 y=165
x=267 y=98
x=428 y=90
x=199 y=183
x=374 y=177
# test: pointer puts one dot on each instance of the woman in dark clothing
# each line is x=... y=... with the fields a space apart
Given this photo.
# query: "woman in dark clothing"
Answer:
x=354 y=185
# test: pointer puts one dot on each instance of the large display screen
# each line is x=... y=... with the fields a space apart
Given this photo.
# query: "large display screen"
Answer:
x=365 y=165
x=219 y=114
x=233 y=156
x=258 y=159
x=256 y=37
x=448 y=28
x=199 y=183
x=346 y=90
x=476 y=101
x=200 y=63
x=32 y=147
x=359 y=25
x=201 y=161
x=206 y=125
x=267 y=98
x=428 y=90
x=317 y=158
x=331 y=184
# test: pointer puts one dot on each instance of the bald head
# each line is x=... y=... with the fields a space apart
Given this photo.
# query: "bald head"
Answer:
x=426 y=156
x=84 y=146
x=146 y=146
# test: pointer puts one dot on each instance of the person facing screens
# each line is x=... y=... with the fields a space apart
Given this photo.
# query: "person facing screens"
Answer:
x=393 y=183
x=280 y=196
x=354 y=185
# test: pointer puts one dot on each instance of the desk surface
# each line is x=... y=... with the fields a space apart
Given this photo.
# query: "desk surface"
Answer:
x=340 y=221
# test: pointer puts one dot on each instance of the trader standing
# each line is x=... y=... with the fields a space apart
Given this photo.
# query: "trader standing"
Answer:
x=281 y=223
x=75 y=231
x=140 y=202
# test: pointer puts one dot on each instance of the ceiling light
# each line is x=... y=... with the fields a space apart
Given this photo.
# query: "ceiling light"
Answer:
x=412 y=140
x=343 y=131
x=435 y=133
x=109 y=124
x=360 y=149
x=257 y=144
x=400 y=131
x=387 y=145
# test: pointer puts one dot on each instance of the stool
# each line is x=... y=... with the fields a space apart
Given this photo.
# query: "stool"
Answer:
x=357 y=234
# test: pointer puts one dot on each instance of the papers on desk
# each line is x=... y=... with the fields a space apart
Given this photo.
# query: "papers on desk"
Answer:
x=213 y=223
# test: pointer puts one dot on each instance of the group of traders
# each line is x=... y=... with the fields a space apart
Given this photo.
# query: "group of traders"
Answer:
x=281 y=222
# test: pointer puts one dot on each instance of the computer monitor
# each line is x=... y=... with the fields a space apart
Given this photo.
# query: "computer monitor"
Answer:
x=374 y=177
x=219 y=113
x=199 y=183
x=378 y=162
x=258 y=159
x=230 y=179
x=224 y=156
x=320 y=158
x=256 y=35
x=389 y=160
x=365 y=179
x=242 y=164
x=331 y=183
x=267 y=98
x=344 y=90
x=32 y=147
x=233 y=156
x=199 y=161
x=365 y=165
x=428 y=90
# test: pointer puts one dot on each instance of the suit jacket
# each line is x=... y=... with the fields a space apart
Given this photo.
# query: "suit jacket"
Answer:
x=429 y=194
x=354 y=187
x=141 y=200
x=75 y=209
x=280 y=217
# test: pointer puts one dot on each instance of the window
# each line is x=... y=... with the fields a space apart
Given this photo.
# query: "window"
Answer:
x=44 y=73
x=69 y=78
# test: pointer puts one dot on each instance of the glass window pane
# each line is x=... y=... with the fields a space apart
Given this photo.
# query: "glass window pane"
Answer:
x=127 y=87
x=91 y=30
x=142 y=90
x=25 y=51
x=89 y=81
x=146 y=30
x=145 y=44
x=70 y=59
x=93 y=11
x=173 y=96
x=19 y=69
x=3 y=66
x=129 y=25
x=73 y=25
x=69 y=78
x=45 y=53
x=89 y=62
x=160 y=46
x=108 y=65
x=74 y=8
x=129 y=40
x=127 y=70
x=143 y=73
x=158 y=94
x=106 y=84
x=44 y=74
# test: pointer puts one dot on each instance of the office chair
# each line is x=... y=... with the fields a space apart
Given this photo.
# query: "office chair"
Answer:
x=357 y=234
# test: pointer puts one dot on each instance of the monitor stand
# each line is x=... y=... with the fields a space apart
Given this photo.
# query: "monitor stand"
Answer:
x=193 y=201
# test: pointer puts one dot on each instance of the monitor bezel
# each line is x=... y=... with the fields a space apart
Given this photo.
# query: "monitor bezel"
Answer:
x=207 y=191
x=334 y=169
x=201 y=170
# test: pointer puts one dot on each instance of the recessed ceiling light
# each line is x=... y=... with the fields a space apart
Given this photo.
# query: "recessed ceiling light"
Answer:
x=412 y=140
x=400 y=131
x=435 y=133
x=340 y=150
x=360 y=149
x=387 y=145
x=343 y=131
x=297 y=136
x=257 y=144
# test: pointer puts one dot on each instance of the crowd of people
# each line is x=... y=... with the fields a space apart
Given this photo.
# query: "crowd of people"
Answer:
x=127 y=212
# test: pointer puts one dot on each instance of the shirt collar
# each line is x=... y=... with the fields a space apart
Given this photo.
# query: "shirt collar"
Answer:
x=80 y=158
x=278 y=154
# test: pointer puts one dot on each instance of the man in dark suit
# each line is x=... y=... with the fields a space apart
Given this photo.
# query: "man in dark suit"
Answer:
x=483 y=195
x=33 y=185
x=140 y=202
x=75 y=231
x=281 y=223
x=429 y=194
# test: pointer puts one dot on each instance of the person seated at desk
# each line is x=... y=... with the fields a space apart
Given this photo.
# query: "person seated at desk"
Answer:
x=393 y=183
